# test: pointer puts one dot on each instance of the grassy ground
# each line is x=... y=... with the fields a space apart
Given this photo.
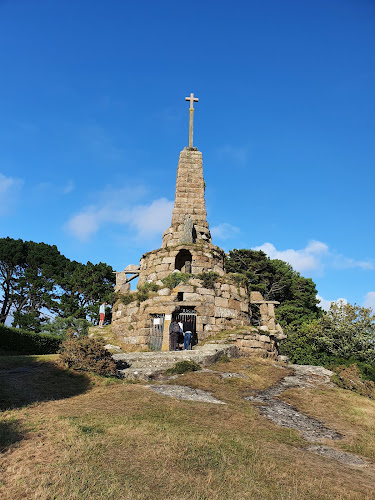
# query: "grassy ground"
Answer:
x=74 y=436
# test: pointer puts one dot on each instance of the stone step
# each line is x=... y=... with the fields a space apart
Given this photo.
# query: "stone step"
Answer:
x=148 y=365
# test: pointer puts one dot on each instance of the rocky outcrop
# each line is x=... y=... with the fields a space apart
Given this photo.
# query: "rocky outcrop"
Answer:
x=150 y=365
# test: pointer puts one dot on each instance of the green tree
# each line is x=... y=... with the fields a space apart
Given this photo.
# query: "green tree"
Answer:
x=36 y=280
x=345 y=332
x=60 y=326
x=12 y=260
x=37 y=286
x=85 y=287
x=276 y=280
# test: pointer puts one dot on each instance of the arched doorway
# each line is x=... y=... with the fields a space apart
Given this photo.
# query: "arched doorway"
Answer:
x=183 y=261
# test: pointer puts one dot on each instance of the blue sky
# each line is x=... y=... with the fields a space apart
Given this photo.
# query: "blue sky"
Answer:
x=93 y=118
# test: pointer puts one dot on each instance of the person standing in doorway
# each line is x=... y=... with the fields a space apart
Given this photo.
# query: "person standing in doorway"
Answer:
x=174 y=330
x=188 y=328
x=102 y=314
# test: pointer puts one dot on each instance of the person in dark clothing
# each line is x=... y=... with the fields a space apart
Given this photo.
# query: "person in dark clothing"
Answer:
x=188 y=329
x=174 y=330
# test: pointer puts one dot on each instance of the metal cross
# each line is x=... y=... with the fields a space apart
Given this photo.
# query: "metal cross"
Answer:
x=192 y=99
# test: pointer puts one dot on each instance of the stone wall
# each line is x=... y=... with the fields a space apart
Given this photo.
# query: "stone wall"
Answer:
x=222 y=307
x=258 y=342
x=157 y=265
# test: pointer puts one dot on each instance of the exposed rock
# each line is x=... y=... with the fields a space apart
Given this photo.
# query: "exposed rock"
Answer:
x=184 y=392
x=113 y=347
x=152 y=365
x=340 y=456
x=286 y=415
x=132 y=268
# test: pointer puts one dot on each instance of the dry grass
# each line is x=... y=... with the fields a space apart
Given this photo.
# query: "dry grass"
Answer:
x=349 y=413
x=116 y=440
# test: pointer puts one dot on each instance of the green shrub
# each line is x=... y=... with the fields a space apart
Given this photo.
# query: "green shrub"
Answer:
x=87 y=354
x=208 y=279
x=127 y=298
x=145 y=291
x=59 y=326
x=21 y=341
x=149 y=287
x=345 y=332
x=174 y=279
x=183 y=367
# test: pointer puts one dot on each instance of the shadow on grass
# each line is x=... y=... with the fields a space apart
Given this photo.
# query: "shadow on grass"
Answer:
x=32 y=382
x=10 y=433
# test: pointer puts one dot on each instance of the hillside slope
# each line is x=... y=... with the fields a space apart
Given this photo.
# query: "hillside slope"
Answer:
x=67 y=435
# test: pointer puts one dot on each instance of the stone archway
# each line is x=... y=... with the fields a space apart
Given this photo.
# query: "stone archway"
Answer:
x=183 y=261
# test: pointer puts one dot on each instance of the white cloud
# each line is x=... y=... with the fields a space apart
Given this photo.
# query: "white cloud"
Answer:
x=9 y=191
x=83 y=225
x=152 y=219
x=370 y=300
x=314 y=257
x=326 y=304
x=342 y=262
x=146 y=220
x=306 y=259
x=224 y=231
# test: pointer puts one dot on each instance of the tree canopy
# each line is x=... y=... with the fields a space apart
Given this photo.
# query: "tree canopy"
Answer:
x=37 y=281
x=276 y=280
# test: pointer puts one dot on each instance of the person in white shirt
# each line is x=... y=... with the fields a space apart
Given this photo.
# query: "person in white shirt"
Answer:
x=102 y=314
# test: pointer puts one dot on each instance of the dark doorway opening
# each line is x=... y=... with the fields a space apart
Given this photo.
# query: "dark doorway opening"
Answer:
x=182 y=315
x=183 y=261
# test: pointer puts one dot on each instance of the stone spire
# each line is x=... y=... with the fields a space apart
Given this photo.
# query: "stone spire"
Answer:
x=189 y=217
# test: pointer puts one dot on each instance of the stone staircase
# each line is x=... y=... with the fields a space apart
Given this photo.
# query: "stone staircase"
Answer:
x=151 y=365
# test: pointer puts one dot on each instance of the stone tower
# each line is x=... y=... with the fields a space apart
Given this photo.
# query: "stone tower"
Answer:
x=185 y=277
x=189 y=217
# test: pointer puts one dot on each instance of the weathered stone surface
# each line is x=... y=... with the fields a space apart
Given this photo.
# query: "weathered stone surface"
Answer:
x=284 y=414
x=148 y=365
x=234 y=304
x=132 y=268
x=192 y=297
x=244 y=306
x=223 y=312
x=264 y=338
x=184 y=392
x=221 y=302
x=185 y=288
x=255 y=296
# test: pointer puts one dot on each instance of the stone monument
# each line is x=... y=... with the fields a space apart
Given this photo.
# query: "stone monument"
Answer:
x=185 y=278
